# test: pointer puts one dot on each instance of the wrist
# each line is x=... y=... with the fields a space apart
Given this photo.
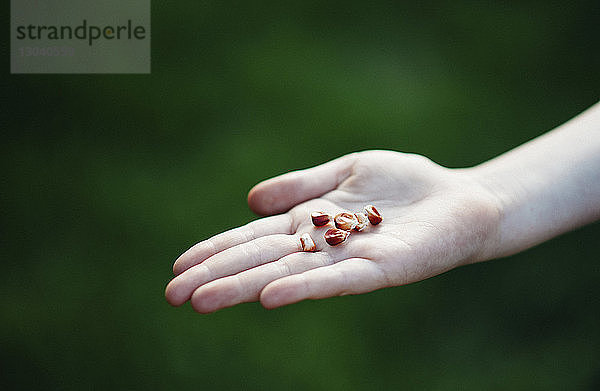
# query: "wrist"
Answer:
x=547 y=186
x=493 y=217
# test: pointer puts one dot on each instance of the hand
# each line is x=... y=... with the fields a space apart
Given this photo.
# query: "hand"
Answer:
x=434 y=219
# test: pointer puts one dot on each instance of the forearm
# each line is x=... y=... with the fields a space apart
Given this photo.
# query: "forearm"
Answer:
x=547 y=186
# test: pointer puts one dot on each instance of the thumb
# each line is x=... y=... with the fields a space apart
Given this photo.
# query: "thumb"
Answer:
x=279 y=194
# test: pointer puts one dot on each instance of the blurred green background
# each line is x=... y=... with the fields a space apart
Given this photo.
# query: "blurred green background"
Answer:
x=108 y=178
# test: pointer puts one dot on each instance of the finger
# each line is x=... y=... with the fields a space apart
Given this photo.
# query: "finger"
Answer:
x=230 y=261
x=348 y=277
x=246 y=286
x=280 y=224
x=279 y=194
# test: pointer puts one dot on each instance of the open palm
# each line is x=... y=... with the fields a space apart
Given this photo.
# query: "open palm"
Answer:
x=434 y=219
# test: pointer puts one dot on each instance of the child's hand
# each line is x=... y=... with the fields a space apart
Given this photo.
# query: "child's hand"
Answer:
x=434 y=219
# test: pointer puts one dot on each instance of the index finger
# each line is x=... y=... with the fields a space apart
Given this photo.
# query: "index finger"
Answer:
x=279 y=224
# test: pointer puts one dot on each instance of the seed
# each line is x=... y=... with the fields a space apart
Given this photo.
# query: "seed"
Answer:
x=362 y=220
x=319 y=219
x=373 y=214
x=335 y=236
x=345 y=221
x=307 y=243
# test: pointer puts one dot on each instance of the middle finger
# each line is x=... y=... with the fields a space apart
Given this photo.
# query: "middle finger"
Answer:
x=231 y=261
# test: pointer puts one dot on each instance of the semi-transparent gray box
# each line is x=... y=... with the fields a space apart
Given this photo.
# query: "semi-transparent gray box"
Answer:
x=80 y=36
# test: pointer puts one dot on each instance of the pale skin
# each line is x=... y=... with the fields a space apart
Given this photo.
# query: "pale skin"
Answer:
x=434 y=219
